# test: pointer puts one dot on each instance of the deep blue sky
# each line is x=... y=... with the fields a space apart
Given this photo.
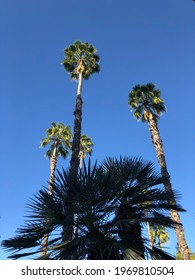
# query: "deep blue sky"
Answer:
x=138 y=41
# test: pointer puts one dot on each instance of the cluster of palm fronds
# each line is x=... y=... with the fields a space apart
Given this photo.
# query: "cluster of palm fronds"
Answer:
x=111 y=201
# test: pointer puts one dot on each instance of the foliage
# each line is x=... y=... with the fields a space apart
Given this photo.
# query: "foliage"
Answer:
x=86 y=145
x=159 y=235
x=111 y=200
x=77 y=53
x=146 y=102
x=60 y=137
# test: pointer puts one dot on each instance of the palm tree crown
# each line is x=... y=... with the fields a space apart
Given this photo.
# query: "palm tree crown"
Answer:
x=86 y=145
x=159 y=235
x=59 y=136
x=81 y=58
x=146 y=102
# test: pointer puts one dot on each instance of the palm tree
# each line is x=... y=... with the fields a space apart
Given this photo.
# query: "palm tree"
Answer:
x=80 y=60
x=86 y=145
x=159 y=235
x=111 y=200
x=147 y=105
x=85 y=149
x=59 y=138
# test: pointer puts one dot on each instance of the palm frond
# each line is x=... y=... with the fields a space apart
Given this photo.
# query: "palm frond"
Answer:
x=110 y=200
x=77 y=52
x=146 y=103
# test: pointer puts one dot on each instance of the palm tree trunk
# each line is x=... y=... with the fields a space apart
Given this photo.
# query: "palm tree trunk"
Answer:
x=67 y=232
x=74 y=162
x=53 y=163
x=157 y=143
x=149 y=234
x=81 y=160
x=75 y=233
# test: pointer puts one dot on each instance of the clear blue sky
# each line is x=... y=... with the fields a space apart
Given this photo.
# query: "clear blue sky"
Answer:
x=139 y=41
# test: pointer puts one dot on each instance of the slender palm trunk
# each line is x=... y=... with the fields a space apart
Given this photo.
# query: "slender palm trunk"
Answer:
x=67 y=232
x=81 y=160
x=157 y=142
x=149 y=234
x=74 y=162
x=75 y=231
x=53 y=163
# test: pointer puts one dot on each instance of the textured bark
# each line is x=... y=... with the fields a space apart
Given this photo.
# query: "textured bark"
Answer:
x=67 y=232
x=53 y=163
x=74 y=162
x=81 y=156
x=130 y=233
x=157 y=143
x=149 y=232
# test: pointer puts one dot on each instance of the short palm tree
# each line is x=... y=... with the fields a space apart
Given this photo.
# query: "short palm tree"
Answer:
x=86 y=145
x=58 y=137
x=111 y=200
x=80 y=61
x=147 y=105
x=159 y=235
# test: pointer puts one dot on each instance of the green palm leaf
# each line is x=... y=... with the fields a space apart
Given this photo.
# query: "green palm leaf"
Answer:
x=146 y=98
x=58 y=136
x=111 y=200
x=77 y=52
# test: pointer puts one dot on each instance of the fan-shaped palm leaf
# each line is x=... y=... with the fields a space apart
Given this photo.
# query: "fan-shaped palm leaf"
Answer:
x=111 y=204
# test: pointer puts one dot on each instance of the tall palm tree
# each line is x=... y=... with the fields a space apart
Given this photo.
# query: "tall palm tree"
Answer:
x=111 y=200
x=147 y=105
x=86 y=145
x=80 y=61
x=59 y=138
